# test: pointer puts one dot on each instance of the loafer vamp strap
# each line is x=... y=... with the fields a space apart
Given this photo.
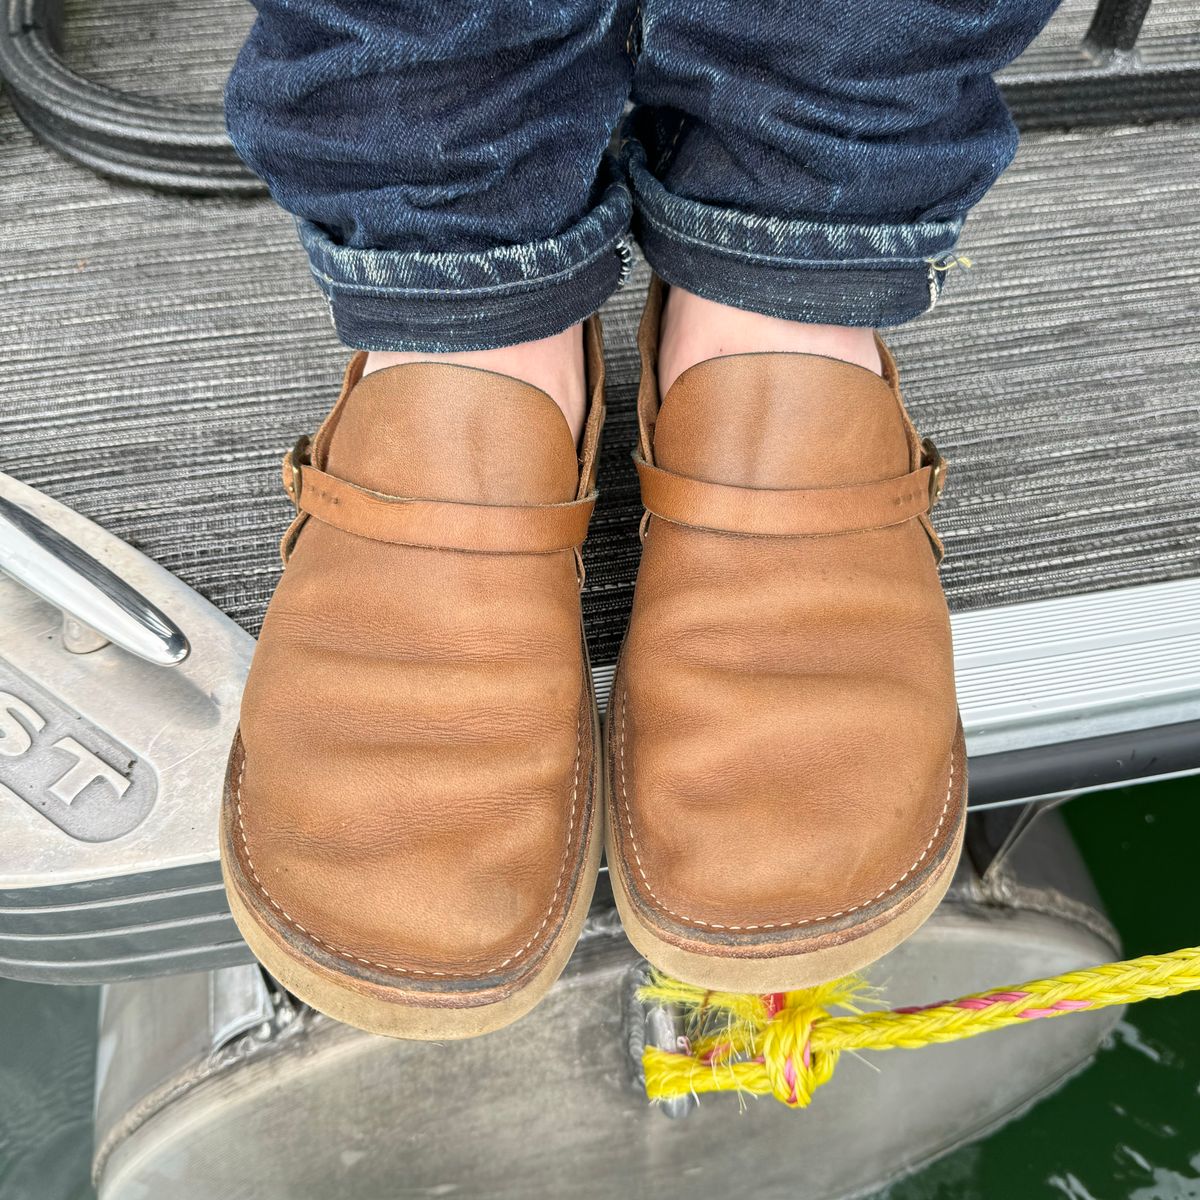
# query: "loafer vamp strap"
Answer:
x=433 y=523
x=790 y=512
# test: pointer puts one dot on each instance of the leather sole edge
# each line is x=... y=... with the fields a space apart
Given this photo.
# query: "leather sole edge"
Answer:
x=344 y=999
x=785 y=972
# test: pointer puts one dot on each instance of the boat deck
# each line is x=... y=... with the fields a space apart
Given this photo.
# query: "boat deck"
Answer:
x=158 y=354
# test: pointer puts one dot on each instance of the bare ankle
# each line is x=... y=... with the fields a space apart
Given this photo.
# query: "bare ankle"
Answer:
x=695 y=329
x=554 y=364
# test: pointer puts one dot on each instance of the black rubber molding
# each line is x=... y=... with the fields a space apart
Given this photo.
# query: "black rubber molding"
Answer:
x=1088 y=763
x=169 y=145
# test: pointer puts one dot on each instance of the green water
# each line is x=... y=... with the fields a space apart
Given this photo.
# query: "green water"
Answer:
x=1127 y=1128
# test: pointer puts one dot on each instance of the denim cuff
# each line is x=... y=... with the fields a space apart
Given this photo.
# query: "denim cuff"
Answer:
x=802 y=270
x=439 y=302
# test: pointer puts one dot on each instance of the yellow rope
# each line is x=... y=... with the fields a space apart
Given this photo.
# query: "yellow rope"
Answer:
x=788 y=1045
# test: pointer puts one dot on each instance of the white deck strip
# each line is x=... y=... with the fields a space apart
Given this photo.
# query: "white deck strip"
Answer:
x=1052 y=671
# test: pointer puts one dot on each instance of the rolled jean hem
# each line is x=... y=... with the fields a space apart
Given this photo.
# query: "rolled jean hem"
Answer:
x=801 y=270
x=442 y=302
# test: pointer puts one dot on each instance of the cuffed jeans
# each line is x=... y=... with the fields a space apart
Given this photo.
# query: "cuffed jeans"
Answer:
x=448 y=162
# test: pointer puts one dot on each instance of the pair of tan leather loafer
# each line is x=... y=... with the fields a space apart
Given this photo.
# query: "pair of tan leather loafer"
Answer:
x=416 y=799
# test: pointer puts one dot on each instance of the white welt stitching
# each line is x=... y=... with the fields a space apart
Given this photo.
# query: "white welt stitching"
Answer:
x=262 y=887
x=770 y=924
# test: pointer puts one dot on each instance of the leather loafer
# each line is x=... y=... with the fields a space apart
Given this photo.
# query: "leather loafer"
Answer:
x=411 y=826
x=787 y=771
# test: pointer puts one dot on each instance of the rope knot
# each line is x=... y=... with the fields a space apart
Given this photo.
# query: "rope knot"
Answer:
x=787 y=1044
x=772 y=1044
x=794 y=1070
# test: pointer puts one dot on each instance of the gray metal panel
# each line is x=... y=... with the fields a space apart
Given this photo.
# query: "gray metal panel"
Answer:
x=115 y=914
x=208 y=955
x=52 y=892
x=330 y=1111
x=143 y=940
x=187 y=1018
x=77 y=919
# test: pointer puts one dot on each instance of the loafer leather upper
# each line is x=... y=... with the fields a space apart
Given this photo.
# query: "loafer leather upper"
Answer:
x=783 y=724
x=412 y=790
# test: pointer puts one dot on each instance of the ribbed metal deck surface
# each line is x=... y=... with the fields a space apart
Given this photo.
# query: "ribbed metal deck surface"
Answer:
x=158 y=354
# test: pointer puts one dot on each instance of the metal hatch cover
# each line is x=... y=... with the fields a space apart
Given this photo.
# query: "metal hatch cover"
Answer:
x=110 y=774
x=94 y=790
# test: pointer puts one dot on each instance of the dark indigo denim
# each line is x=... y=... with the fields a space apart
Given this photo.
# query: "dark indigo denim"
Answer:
x=447 y=163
